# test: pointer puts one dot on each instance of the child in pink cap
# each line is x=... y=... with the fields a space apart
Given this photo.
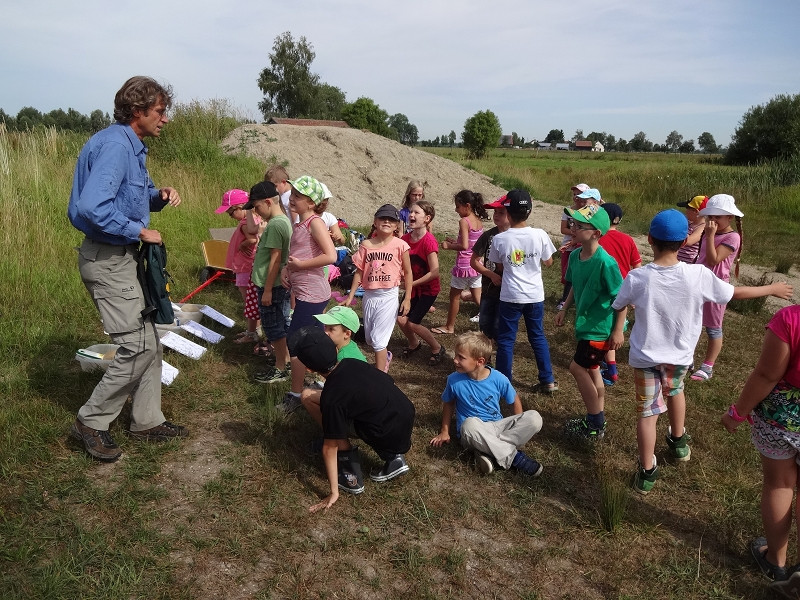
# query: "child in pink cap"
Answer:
x=241 y=252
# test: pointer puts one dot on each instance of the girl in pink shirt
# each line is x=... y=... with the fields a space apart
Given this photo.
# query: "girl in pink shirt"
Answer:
x=382 y=261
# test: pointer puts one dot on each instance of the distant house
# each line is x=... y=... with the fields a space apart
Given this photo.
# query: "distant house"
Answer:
x=598 y=147
x=584 y=145
x=544 y=146
x=306 y=122
x=562 y=146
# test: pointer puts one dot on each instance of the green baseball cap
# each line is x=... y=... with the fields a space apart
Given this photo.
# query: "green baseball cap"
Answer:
x=592 y=214
x=308 y=186
x=340 y=315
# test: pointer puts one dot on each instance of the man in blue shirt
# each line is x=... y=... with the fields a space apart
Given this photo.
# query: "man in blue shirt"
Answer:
x=111 y=200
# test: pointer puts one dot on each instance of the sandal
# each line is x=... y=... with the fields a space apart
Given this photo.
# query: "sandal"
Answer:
x=440 y=331
x=770 y=571
x=409 y=351
x=262 y=349
x=701 y=375
x=437 y=357
x=246 y=337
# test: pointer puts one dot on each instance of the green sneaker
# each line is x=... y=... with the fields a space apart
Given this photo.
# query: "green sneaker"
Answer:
x=644 y=482
x=579 y=429
x=679 y=448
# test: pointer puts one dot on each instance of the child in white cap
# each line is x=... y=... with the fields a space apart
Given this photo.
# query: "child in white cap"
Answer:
x=720 y=247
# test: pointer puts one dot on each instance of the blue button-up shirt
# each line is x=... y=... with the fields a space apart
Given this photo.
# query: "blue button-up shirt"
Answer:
x=112 y=193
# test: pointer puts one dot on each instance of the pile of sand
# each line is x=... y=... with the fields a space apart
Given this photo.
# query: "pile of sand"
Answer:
x=364 y=171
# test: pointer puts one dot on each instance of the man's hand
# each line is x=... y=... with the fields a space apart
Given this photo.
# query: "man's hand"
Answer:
x=171 y=195
x=151 y=236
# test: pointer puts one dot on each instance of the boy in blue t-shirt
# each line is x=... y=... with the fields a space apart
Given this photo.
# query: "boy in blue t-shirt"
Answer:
x=474 y=392
x=595 y=279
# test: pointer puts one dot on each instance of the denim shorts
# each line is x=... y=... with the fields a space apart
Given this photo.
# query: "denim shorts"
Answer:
x=275 y=317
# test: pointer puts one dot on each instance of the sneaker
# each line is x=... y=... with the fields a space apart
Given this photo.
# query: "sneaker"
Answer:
x=160 y=433
x=526 y=465
x=545 y=388
x=770 y=571
x=475 y=319
x=98 y=444
x=484 y=463
x=289 y=404
x=644 y=482
x=789 y=587
x=391 y=469
x=579 y=429
x=271 y=375
x=350 y=478
x=679 y=449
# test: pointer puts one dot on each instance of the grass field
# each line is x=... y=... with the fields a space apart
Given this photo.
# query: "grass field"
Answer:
x=224 y=513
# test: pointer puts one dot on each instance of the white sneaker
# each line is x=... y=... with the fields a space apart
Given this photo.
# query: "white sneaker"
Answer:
x=484 y=463
x=475 y=319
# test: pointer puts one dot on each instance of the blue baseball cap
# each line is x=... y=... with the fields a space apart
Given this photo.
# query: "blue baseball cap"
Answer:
x=669 y=226
x=591 y=194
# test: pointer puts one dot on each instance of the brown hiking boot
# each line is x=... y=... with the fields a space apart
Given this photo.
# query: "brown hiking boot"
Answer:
x=160 y=433
x=98 y=444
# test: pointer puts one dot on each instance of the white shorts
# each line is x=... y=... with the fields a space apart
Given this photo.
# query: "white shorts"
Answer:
x=380 y=314
x=465 y=283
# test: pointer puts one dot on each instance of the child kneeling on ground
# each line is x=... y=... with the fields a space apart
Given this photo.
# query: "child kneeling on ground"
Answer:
x=360 y=396
x=474 y=393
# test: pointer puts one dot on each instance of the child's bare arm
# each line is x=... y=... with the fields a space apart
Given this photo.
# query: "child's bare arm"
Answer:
x=462 y=242
x=516 y=408
x=330 y=451
x=771 y=367
x=250 y=227
x=444 y=433
x=562 y=314
x=617 y=337
x=353 y=287
x=780 y=289
x=408 y=282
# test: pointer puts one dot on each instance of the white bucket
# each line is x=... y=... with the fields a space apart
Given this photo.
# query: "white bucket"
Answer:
x=97 y=356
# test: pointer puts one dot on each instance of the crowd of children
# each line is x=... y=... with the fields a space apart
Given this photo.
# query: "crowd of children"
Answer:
x=280 y=246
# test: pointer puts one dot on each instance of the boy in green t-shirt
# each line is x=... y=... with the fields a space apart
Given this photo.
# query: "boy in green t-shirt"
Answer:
x=340 y=322
x=271 y=256
x=595 y=279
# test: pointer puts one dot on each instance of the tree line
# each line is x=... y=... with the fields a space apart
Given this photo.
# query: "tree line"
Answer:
x=29 y=118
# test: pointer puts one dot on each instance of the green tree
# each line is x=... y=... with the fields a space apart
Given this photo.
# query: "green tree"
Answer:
x=98 y=120
x=407 y=133
x=674 y=141
x=597 y=137
x=555 y=135
x=481 y=132
x=451 y=138
x=707 y=143
x=640 y=143
x=687 y=147
x=766 y=131
x=291 y=89
x=578 y=137
x=365 y=114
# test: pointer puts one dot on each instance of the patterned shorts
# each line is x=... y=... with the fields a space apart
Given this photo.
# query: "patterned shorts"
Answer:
x=653 y=383
x=775 y=424
x=252 y=303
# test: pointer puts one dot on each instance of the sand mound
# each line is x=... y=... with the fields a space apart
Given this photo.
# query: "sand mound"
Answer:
x=364 y=170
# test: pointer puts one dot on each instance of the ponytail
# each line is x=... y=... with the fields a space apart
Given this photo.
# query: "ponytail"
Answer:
x=738 y=258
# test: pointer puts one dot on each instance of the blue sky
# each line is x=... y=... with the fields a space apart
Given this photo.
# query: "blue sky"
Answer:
x=615 y=66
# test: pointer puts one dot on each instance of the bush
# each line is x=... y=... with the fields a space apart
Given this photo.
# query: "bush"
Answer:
x=481 y=132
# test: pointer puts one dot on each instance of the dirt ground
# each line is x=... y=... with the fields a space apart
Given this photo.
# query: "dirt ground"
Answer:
x=364 y=171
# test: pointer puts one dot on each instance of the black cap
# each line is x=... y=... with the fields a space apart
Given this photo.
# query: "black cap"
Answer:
x=313 y=348
x=518 y=203
x=614 y=212
x=261 y=191
x=387 y=211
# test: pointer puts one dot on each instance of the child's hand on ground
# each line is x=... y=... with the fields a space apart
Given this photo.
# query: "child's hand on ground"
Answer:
x=440 y=440
x=782 y=290
x=325 y=504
